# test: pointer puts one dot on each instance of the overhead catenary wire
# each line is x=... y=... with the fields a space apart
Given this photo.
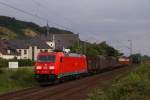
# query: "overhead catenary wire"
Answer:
x=20 y=10
x=31 y=14
x=41 y=5
x=37 y=3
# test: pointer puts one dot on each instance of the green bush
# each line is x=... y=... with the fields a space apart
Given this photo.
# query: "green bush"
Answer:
x=136 y=58
x=26 y=62
x=14 y=79
x=136 y=86
x=23 y=77
x=3 y=63
x=22 y=62
x=1 y=71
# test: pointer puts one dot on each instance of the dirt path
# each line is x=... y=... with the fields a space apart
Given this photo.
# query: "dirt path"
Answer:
x=73 y=90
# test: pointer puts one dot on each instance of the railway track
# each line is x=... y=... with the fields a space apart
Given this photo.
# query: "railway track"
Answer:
x=72 y=90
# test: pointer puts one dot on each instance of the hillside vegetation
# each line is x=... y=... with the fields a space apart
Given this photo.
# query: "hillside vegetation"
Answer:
x=11 y=28
x=94 y=49
x=5 y=33
x=136 y=86
x=16 y=79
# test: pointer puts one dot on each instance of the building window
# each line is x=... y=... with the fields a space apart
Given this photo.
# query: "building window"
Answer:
x=19 y=51
x=58 y=41
x=41 y=50
x=25 y=52
x=46 y=50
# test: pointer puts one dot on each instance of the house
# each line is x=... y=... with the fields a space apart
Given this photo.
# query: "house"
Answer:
x=65 y=40
x=6 y=52
x=60 y=41
x=27 y=49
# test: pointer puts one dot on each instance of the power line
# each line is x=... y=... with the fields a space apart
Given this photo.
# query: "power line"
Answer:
x=28 y=13
x=129 y=47
x=20 y=10
x=41 y=5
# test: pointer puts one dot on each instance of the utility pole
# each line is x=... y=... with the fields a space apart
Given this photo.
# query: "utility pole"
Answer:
x=131 y=47
x=53 y=41
x=47 y=29
x=78 y=43
x=85 y=46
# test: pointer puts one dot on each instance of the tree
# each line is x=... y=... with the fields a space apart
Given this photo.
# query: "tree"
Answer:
x=76 y=48
x=95 y=49
x=136 y=58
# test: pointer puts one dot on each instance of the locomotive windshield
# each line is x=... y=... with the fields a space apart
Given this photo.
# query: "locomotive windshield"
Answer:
x=46 y=58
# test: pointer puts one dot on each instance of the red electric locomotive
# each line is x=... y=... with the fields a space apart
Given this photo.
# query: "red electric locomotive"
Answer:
x=58 y=65
x=125 y=61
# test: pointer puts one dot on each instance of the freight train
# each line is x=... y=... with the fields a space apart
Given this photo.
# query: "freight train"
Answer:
x=57 y=66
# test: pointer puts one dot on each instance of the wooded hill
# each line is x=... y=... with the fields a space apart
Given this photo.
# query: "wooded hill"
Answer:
x=11 y=28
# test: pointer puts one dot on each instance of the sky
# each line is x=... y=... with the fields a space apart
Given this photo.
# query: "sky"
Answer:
x=114 y=21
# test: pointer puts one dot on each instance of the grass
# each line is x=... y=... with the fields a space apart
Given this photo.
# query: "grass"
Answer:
x=135 y=86
x=15 y=79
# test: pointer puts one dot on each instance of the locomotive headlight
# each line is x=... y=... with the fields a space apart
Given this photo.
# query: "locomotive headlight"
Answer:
x=38 y=67
x=51 y=67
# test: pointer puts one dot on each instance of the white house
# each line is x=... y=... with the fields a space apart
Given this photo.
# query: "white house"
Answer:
x=29 y=48
x=7 y=53
x=59 y=41
x=23 y=49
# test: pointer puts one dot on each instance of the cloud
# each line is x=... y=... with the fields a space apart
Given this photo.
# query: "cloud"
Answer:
x=95 y=20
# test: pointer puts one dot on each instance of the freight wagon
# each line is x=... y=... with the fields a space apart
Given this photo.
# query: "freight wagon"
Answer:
x=101 y=63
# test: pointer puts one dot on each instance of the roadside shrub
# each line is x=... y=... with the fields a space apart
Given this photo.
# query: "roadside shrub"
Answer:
x=26 y=62
x=16 y=79
x=136 y=86
x=23 y=77
x=1 y=71
x=21 y=62
x=3 y=63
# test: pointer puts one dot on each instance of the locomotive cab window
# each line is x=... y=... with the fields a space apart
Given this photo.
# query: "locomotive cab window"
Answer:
x=46 y=58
